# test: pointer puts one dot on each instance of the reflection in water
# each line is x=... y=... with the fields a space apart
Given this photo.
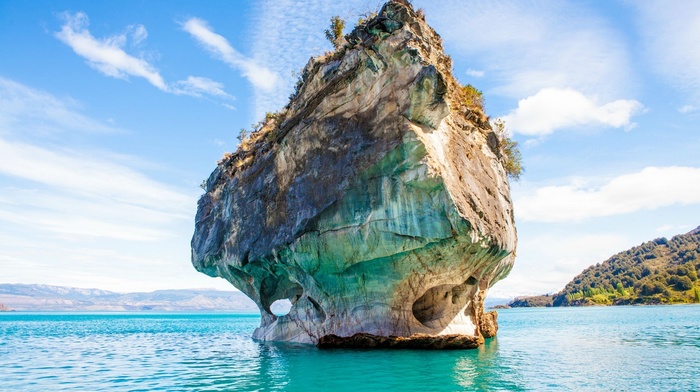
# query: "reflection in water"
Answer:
x=240 y=364
x=273 y=368
x=482 y=369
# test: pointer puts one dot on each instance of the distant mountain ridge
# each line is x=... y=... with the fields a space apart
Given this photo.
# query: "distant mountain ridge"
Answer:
x=660 y=271
x=40 y=297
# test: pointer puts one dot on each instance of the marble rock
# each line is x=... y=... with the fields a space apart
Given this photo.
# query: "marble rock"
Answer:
x=376 y=201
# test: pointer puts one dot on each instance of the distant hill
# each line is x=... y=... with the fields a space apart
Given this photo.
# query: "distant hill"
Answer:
x=536 y=301
x=656 y=272
x=36 y=297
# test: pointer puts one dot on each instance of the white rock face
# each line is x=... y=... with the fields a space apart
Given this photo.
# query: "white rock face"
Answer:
x=376 y=201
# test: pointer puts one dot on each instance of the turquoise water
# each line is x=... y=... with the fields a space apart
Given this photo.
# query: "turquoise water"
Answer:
x=620 y=348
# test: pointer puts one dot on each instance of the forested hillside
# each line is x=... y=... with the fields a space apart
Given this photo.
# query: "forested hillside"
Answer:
x=655 y=272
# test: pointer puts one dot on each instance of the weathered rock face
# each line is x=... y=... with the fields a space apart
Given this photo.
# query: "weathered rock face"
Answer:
x=376 y=201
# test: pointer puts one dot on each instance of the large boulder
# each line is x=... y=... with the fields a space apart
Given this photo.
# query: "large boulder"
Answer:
x=376 y=201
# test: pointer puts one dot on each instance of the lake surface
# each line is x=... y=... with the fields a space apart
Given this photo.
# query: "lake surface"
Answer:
x=608 y=348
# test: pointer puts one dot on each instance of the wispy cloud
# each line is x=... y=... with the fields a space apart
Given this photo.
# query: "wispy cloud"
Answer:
x=41 y=113
x=671 y=32
x=525 y=46
x=106 y=55
x=72 y=192
x=79 y=173
x=475 y=73
x=88 y=219
x=287 y=33
x=109 y=57
x=651 y=188
x=664 y=228
x=546 y=262
x=261 y=77
x=687 y=109
x=553 y=109
x=91 y=216
x=196 y=86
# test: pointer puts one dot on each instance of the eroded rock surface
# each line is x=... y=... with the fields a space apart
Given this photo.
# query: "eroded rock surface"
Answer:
x=417 y=341
x=376 y=201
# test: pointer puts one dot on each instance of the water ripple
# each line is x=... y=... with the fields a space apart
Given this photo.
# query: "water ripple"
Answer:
x=553 y=349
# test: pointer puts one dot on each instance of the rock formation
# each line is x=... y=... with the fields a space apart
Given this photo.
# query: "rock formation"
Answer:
x=376 y=201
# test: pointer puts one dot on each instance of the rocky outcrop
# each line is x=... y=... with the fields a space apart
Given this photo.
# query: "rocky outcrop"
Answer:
x=417 y=341
x=376 y=201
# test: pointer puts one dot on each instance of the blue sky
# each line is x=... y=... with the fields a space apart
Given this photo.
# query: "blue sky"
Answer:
x=112 y=113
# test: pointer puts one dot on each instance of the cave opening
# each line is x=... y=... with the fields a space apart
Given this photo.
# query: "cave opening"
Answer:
x=440 y=304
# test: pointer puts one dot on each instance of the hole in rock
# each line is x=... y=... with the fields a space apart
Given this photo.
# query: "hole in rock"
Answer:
x=431 y=306
x=440 y=304
x=281 y=307
x=275 y=288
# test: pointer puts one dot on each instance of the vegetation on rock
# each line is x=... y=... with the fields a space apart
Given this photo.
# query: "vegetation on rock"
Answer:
x=263 y=135
x=512 y=158
x=334 y=33
x=473 y=97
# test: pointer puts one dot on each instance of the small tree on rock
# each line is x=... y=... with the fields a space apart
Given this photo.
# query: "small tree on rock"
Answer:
x=513 y=160
x=334 y=33
x=473 y=97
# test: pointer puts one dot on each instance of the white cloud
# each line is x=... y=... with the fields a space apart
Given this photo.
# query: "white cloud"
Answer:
x=106 y=55
x=101 y=222
x=196 y=86
x=139 y=34
x=552 y=109
x=287 y=32
x=78 y=173
x=109 y=57
x=41 y=113
x=651 y=188
x=546 y=262
x=475 y=73
x=671 y=32
x=687 y=109
x=664 y=228
x=83 y=217
x=217 y=45
x=104 y=267
x=70 y=192
x=522 y=46
x=525 y=46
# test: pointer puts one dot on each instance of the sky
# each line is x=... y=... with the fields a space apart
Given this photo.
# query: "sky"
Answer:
x=113 y=113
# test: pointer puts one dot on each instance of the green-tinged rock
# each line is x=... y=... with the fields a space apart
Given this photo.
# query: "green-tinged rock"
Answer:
x=373 y=202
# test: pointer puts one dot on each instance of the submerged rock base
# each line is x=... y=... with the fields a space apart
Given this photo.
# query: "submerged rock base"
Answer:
x=418 y=341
